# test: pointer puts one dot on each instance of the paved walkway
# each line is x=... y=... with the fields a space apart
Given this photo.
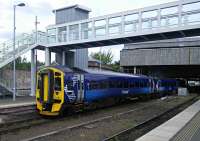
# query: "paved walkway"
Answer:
x=183 y=127
x=20 y=101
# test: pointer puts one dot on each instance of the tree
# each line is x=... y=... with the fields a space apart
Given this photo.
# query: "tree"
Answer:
x=116 y=66
x=105 y=57
x=22 y=64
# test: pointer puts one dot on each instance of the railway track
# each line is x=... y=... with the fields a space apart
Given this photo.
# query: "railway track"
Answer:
x=104 y=118
x=144 y=127
x=17 y=110
x=15 y=125
x=15 y=122
x=15 y=118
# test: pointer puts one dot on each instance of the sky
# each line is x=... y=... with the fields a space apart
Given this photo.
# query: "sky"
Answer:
x=25 y=16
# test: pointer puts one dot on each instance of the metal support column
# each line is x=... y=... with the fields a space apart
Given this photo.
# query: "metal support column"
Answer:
x=63 y=58
x=47 y=57
x=135 y=70
x=33 y=72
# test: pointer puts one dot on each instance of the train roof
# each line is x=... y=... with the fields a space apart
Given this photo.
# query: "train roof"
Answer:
x=103 y=72
x=100 y=72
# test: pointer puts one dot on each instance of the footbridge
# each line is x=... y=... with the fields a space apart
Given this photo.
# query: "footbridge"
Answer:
x=165 y=21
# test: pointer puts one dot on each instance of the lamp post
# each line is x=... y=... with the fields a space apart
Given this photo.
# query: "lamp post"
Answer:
x=14 y=69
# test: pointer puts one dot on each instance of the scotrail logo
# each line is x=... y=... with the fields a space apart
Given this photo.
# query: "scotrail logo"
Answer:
x=70 y=93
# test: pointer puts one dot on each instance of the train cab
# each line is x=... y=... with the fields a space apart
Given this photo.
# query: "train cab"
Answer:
x=49 y=91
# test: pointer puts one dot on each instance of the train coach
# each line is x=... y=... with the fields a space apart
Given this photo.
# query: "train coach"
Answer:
x=60 y=88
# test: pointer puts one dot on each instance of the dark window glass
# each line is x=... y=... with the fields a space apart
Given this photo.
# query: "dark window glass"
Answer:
x=125 y=84
x=119 y=84
x=131 y=85
x=137 y=84
x=102 y=85
x=146 y=84
x=141 y=84
x=39 y=83
x=57 y=84
x=112 y=84
x=70 y=85
x=57 y=74
x=94 y=85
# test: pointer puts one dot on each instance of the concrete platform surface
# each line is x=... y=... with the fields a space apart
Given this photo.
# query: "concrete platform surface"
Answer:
x=168 y=130
x=20 y=101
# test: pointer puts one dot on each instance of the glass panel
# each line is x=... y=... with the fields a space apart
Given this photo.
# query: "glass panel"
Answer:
x=86 y=30
x=146 y=25
x=154 y=23
x=115 y=20
x=51 y=35
x=100 y=23
x=100 y=32
x=170 y=10
x=164 y=22
x=132 y=17
x=173 y=21
x=114 y=30
x=191 y=7
x=73 y=32
x=42 y=37
x=169 y=22
x=149 y=14
x=129 y=28
x=57 y=84
x=192 y=19
x=62 y=34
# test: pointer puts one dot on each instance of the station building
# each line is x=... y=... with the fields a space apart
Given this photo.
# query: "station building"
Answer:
x=175 y=58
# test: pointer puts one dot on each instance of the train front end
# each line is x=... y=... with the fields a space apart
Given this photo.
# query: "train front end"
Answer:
x=49 y=91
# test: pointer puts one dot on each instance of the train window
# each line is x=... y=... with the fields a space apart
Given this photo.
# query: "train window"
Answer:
x=103 y=85
x=146 y=84
x=39 y=82
x=57 y=74
x=57 y=84
x=131 y=85
x=125 y=84
x=119 y=84
x=94 y=85
x=137 y=84
x=141 y=84
x=112 y=84
x=70 y=85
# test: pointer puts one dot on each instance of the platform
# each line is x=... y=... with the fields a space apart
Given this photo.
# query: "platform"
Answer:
x=20 y=101
x=183 y=127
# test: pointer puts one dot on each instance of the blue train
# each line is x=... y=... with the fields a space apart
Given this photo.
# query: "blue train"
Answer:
x=60 y=88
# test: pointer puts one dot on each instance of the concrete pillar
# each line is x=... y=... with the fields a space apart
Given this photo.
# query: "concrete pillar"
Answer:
x=47 y=57
x=63 y=58
x=33 y=72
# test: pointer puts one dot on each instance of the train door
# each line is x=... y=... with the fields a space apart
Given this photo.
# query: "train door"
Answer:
x=45 y=87
x=46 y=91
x=80 y=87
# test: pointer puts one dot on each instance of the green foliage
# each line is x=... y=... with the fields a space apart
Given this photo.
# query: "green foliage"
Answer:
x=116 y=66
x=22 y=64
x=105 y=57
